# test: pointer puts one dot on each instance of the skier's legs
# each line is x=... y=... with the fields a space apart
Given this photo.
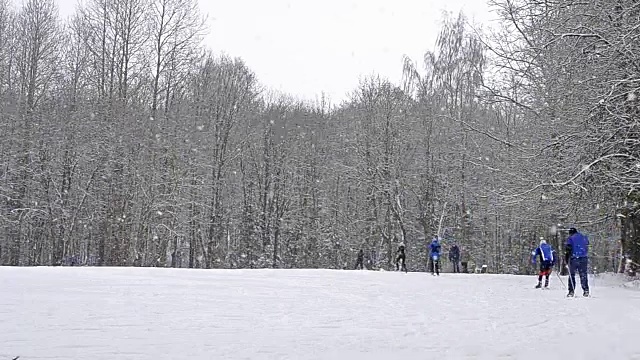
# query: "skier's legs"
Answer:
x=400 y=262
x=541 y=274
x=572 y=274
x=546 y=276
x=437 y=266
x=582 y=264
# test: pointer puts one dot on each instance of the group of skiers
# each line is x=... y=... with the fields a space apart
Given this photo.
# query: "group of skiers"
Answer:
x=435 y=250
x=575 y=256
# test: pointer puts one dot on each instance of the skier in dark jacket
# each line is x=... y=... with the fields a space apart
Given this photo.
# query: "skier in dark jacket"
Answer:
x=547 y=260
x=360 y=260
x=434 y=256
x=400 y=256
x=454 y=257
x=577 y=258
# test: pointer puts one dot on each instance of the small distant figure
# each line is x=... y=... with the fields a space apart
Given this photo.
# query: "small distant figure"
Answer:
x=434 y=256
x=400 y=256
x=547 y=259
x=360 y=260
x=454 y=257
x=577 y=257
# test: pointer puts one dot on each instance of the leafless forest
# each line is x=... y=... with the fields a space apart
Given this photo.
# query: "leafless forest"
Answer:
x=124 y=141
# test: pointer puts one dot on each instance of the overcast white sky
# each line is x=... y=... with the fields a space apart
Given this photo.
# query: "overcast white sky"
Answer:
x=303 y=47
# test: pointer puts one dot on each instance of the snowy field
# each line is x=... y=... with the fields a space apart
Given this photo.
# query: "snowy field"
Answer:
x=125 y=313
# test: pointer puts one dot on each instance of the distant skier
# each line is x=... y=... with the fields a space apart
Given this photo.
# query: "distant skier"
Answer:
x=400 y=256
x=434 y=255
x=454 y=257
x=360 y=260
x=547 y=260
x=577 y=258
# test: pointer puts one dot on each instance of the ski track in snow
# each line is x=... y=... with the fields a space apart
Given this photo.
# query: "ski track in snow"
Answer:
x=145 y=313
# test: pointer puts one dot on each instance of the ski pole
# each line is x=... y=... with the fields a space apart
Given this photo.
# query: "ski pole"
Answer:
x=574 y=280
x=561 y=282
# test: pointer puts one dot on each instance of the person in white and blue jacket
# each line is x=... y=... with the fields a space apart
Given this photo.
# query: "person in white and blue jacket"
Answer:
x=547 y=259
x=434 y=255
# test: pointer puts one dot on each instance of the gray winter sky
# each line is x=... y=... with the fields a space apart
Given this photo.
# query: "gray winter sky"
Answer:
x=303 y=47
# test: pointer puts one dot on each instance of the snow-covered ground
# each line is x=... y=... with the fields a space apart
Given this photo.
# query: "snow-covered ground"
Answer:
x=126 y=313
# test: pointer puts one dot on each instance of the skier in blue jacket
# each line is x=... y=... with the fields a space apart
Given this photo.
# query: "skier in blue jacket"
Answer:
x=547 y=260
x=434 y=256
x=577 y=256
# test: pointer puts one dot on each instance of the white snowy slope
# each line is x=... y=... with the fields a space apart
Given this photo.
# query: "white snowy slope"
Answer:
x=126 y=313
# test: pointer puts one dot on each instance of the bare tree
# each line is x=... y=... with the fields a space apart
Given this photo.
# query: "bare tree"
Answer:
x=177 y=29
x=223 y=90
x=7 y=122
x=36 y=47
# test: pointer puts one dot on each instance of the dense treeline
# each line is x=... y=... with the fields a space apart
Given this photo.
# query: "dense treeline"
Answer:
x=125 y=142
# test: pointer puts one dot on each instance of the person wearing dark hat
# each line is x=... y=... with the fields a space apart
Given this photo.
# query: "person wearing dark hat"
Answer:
x=454 y=257
x=401 y=257
x=360 y=260
x=577 y=258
